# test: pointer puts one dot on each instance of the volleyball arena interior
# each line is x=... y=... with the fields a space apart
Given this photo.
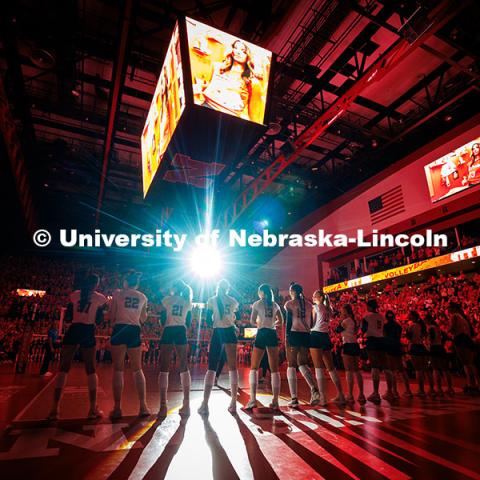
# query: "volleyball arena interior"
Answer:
x=240 y=239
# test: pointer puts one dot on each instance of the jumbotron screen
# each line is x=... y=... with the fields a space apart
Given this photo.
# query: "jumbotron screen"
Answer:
x=229 y=75
x=165 y=111
x=454 y=172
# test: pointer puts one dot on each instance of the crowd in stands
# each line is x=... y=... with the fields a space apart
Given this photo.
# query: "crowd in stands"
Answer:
x=57 y=279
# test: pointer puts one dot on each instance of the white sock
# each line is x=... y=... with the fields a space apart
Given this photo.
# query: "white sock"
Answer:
x=307 y=375
x=186 y=381
x=336 y=381
x=92 y=381
x=320 y=376
x=208 y=384
x=139 y=379
x=163 y=383
x=117 y=384
x=292 y=381
x=276 y=383
x=253 y=380
x=61 y=380
x=233 y=374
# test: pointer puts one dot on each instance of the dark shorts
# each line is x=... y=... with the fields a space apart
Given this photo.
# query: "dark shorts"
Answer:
x=298 y=339
x=375 y=344
x=320 y=340
x=80 y=334
x=392 y=348
x=351 y=349
x=174 y=335
x=418 y=350
x=124 y=334
x=464 y=341
x=266 y=337
x=438 y=351
x=225 y=335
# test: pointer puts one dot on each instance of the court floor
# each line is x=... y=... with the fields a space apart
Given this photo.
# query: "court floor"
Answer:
x=412 y=438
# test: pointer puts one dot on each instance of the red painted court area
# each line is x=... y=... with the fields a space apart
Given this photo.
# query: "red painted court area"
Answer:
x=413 y=438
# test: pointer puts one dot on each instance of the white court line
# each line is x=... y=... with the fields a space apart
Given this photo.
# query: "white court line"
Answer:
x=33 y=400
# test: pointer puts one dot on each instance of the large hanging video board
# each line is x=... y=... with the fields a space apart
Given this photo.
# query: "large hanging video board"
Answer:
x=454 y=172
x=229 y=75
x=165 y=111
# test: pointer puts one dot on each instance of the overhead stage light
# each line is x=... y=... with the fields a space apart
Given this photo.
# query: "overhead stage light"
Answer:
x=206 y=261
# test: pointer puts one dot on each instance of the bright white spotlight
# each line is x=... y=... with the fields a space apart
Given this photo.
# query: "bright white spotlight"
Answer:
x=206 y=261
x=264 y=223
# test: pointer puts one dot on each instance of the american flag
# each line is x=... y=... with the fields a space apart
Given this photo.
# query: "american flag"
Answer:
x=386 y=205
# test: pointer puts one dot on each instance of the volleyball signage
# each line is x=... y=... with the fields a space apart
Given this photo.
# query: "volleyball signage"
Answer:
x=229 y=75
x=454 y=172
x=165 y=111
x=436 y=262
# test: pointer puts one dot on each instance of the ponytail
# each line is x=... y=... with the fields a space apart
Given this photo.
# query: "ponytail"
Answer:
x=298 y=289
x=268 y=294
x=88 y=286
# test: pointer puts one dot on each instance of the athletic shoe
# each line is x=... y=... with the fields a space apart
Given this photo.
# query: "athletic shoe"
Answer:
x=375 y=398
x=215 y=383
x=52 y=416
x=232 y=408
x=451 y=392
x=361 y=399
x=339 y=400
x=115 y=414
x=274 y=405
x=396 y=396
x=162 y=411
x=408 y=394
x=293 y=402
x=47 y=374
x=95 y=414
x=184 y=411
x=432 y=393
x=251 y=405
x=388 y=397
x=261 y=380
x=203 y=410
x=144 y=412
x=440 y=393
x=349 y=399
x=315 y=397
x=421 y=394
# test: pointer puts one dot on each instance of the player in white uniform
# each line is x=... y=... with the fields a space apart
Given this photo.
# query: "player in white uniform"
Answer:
x=127 y=313
x=221 y=313
x=350 y=353
x=321 y=348
x=267 y=315
x=372 y=327
x=84 y=310
x=297 y=344
x=176 y=316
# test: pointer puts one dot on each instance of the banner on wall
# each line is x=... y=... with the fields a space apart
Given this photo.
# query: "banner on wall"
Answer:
x=416 y=267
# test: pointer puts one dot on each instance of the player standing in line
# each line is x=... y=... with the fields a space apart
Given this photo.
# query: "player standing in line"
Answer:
x=438 y=356
x=416 y=334
x=85 y=309
x=297 y=344
x=321 y=348
x=221 y=314
x=392 y=332
x=372 y=326
x=267 y=315
x=176 y=318
x=350 y=353
x=128 y=312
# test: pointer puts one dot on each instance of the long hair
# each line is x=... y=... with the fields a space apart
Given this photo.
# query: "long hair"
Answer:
x=222 y=289
x=472 y=156
x=88 y=286
x=298 y=289
x=268 y=294
x=348 y=308
x=458 y=310
x=372 y=304
x=228 y=62
x=132 y=279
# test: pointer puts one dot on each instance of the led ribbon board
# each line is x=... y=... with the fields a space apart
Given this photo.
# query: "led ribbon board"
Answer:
x=435 y=262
